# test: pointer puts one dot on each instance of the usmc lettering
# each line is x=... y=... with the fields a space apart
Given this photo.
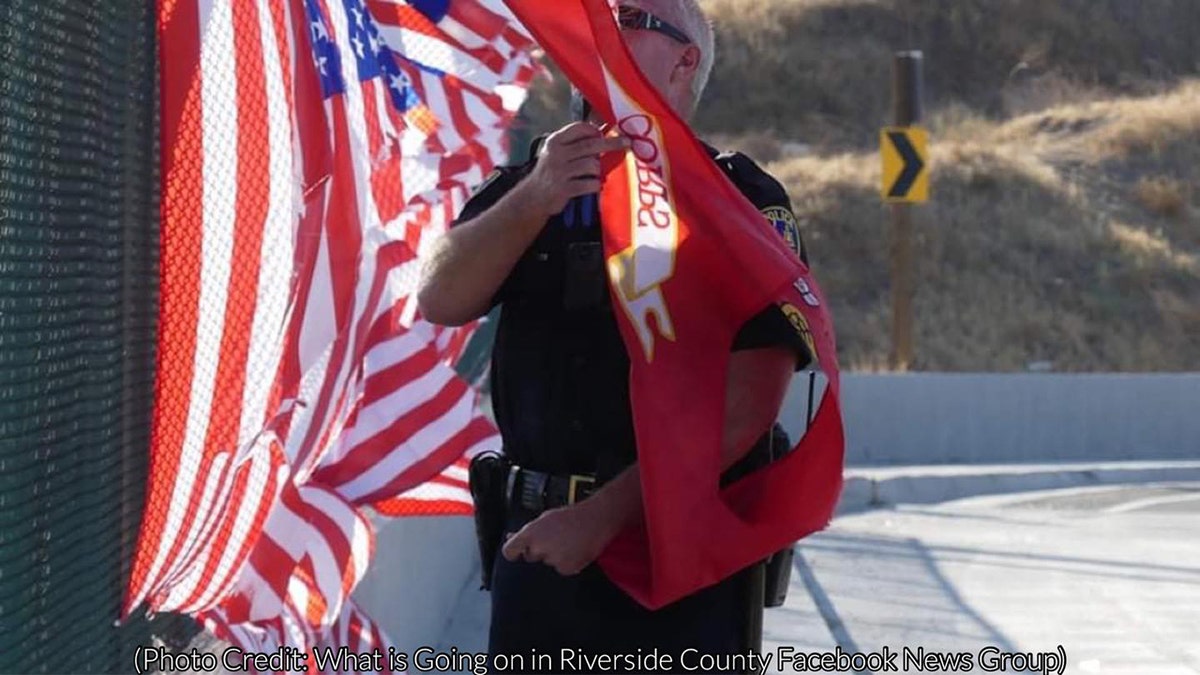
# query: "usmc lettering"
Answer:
x=652 y=198
x=638 y=129
x=654 y=207
x=640 y=270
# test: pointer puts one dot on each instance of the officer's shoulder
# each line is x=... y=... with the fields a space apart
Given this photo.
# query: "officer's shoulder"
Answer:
x=504 y=176
x=523 y=165
x=766 y=193
x=491 y=189
x=759 y=186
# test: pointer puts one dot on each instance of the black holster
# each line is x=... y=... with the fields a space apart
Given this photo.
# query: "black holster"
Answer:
x=778 y=576
x=779 y=565
x=488 y=480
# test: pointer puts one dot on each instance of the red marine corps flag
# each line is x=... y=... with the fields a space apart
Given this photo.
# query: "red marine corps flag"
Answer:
x=690 y=260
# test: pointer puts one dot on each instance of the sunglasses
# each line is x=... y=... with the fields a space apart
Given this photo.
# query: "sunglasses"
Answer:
x=639 y=19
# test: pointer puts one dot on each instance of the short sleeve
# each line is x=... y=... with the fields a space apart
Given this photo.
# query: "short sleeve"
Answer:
x=490 y=191
x=772 y=328
x=775 y=326
x=496 y=185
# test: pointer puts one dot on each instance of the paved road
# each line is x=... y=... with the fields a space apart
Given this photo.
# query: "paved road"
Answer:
x=1111 y=574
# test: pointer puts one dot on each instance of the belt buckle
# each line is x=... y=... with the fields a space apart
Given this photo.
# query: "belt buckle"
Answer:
x=573 y=486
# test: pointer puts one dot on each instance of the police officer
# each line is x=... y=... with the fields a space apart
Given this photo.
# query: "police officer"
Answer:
x=529 y=241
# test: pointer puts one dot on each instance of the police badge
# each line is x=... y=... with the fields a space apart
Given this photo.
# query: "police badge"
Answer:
x=785 y=224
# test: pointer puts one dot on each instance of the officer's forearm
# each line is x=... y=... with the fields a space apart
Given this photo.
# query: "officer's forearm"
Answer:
x=758 y=381
x=470 y=262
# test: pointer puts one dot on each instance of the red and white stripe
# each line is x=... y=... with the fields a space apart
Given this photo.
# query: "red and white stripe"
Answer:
x=226 y=175
x=445 y=494
x=297 y=383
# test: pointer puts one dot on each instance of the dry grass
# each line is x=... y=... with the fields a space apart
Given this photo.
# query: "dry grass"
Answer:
x=1028 y=252
x=818 y=71
x=1161 y=195
x=1124 y=126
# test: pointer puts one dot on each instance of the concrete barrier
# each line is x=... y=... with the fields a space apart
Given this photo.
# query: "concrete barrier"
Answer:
x=422 y=566
x=1002 y=419
x=875 y=487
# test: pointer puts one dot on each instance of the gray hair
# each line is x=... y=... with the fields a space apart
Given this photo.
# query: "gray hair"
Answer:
x=690 y=18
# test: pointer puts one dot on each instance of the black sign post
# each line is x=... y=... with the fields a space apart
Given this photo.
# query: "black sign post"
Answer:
x=908 y=90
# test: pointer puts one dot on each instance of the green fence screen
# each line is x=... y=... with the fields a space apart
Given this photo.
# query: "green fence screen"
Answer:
x=78 y=306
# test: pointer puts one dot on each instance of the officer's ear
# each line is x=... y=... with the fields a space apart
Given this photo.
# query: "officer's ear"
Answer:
x=687 y=64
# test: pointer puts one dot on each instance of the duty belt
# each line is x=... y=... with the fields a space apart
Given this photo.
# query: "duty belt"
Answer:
x=537 y=491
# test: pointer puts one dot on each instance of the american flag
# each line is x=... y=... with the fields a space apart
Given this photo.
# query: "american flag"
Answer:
x=311 y=150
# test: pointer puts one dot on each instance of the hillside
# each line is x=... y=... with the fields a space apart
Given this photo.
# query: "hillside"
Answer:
x=820 y=69
x=1067 y=237
x=1064 y=231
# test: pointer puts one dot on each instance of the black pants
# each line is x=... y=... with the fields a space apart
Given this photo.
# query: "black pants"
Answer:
x=538 y=613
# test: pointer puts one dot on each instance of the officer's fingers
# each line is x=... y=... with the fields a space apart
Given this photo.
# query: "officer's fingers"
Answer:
x=515 y=547
x=615 y=143
x=599 y=146
x=560 y=142
x=569 y=568
x=510 y=554
x=573 y=133
x=535 y=552
x=557 y=559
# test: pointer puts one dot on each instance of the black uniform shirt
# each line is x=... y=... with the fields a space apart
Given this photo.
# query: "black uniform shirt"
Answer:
x=560 y=373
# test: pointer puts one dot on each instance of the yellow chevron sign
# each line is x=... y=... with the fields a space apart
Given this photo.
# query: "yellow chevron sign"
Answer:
x=904 y=151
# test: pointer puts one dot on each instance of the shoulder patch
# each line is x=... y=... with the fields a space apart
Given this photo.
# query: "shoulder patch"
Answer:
x=800 y=324
x=488 y=180
x=784 y=222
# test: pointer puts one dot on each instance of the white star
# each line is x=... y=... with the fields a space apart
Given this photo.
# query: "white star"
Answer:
x=318 y=29
x=321 y=65
x=358 y=16
x=375 y=44
x=358 y=46
x=399 y=82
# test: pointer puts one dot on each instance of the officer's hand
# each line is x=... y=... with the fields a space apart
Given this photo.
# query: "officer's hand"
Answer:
x=568 y=166
x=567 y=539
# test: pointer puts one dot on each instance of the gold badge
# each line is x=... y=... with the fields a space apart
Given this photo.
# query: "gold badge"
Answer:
x=796 y=318
x=785 y=224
